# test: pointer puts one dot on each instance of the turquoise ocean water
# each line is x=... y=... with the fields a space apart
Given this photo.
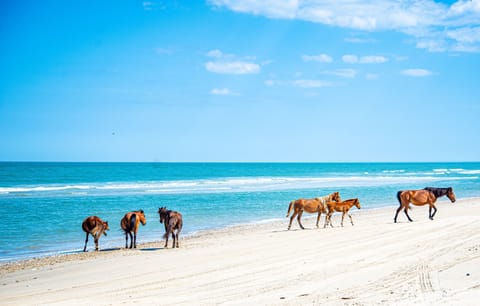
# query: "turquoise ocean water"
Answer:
x=42 y=205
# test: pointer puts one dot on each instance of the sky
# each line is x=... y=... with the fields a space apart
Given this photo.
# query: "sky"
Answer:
x=240 y=81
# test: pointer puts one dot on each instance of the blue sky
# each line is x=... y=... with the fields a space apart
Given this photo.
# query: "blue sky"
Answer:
x=227 y=80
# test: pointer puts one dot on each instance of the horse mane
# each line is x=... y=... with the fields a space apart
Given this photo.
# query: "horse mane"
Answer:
x=438 y=192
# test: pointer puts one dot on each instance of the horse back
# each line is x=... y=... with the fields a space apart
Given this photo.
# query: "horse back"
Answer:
x=90 y=223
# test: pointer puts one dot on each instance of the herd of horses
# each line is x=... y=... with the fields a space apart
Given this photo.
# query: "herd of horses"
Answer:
x=329 y=204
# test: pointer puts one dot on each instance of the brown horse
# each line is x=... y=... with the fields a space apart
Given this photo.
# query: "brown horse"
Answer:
x=129 y=224
x=173 y=224
x=428 y=195
x=94 y=226
x=316 y=205
x=343 y=207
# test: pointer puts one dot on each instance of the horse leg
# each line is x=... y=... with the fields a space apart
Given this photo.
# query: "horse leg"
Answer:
x=126 y=240
x=295 y=212
x=299 y=217
x=178 y=235
x=396 y=215
x=327 y=216
x=318 y=217
x=434 y=211
x=134 y=240
x=166 y=239
x=406 y=213
x=343 y=217
x=173 y=237
x=86 y=240
x=351 y=220
x=131 y=239
x=96 y=243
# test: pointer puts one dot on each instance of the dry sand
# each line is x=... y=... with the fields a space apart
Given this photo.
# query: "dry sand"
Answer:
x=374 y=262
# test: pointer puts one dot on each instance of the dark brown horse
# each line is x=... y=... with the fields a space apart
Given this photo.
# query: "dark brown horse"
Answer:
x=343 y=207
x=316 y=205
x=94 y=226
x=428 y=195
x=173 y=224
x=129 y=225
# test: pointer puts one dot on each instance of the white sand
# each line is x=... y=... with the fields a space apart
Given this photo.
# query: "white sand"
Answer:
x=374 y=262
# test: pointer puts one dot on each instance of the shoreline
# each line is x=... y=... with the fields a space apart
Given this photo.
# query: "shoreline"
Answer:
x=197 y=234
x=373 y=262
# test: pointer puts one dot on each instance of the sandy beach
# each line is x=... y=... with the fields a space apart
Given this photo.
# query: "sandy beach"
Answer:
x=373 y=262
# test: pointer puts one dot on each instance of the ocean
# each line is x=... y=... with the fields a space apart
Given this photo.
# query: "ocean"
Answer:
x=42 y=205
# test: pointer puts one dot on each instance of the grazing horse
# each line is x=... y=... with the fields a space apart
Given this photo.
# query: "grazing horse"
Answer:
x=173 y=224
x=316 y=205
x=129 y=224
x=428 y=195
x=94 y=226
x=343 y=207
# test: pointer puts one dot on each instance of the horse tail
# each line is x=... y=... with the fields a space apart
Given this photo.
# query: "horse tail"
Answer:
x=399 y=198
x=133 y=222
x=289 y=208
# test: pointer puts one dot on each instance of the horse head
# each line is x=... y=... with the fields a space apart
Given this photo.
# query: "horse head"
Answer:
x=357 y=203
x=141 y=214
x=336 y=196
x=162 y=212
x=105 y=227
x=451 y=194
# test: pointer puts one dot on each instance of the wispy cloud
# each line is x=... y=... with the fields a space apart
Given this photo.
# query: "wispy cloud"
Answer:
x=229 y=64
x=370 y=59
x=232 y=67
x=416 y=72
x=301 y=83
x=426 y=20
x=344 y=73
x=221 y=92
x=357 y=40
x=321 y=58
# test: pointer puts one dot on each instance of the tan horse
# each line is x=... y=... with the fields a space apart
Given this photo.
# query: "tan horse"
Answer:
x=428 y=195
x=94 y=226
x=129 y=225
x=343 y=207
x=316 y=205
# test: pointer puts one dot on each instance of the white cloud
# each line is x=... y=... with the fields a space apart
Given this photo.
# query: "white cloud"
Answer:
x=416 y=72
x=215 y=53
x=302 y=83
x=229 y=64
x=236 y=67
x=370 y=59
x=321 y=58
x=221 y=91
x=425 y=20
x=371 y=76
x=344 y=73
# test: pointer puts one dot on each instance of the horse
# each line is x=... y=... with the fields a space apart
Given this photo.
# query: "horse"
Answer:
x=94 y=226
x=428 y=195
x=129 y=224
x=316 y=205
x=173 y=224
x=343 y=207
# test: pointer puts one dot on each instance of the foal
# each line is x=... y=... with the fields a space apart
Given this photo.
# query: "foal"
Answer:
x=343 y=207
x=129 y=224
x=94 y=226
x=173 y=224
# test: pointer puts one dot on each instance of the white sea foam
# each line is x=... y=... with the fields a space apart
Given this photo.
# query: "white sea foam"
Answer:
x=223 y=185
